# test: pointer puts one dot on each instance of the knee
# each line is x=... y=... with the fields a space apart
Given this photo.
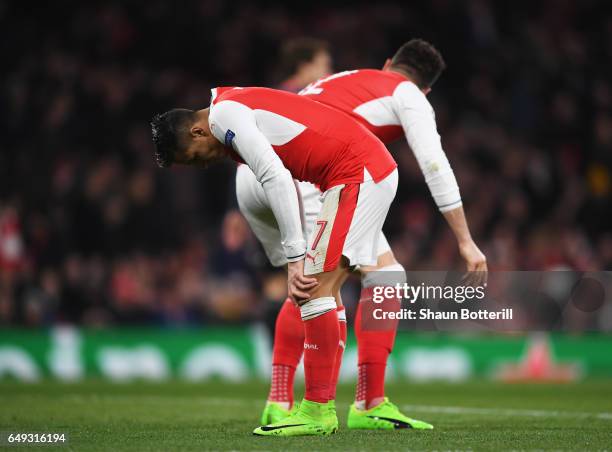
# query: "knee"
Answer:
x=329 y=283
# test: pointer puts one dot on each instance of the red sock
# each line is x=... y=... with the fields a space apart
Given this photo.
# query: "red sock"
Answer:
x=287 y=352
x=281 y=387
x=370 y=385
x=374 y=344
x=341 y=346
x=320 y=347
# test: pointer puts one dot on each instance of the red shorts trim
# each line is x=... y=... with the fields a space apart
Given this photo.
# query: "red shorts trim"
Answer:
x=342 y=223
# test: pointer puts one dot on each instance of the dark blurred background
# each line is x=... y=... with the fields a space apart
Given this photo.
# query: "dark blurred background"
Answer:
x=91 y=232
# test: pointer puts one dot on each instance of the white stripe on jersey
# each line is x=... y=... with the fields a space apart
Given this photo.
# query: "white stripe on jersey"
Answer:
x=379 y=112
x=276 y=128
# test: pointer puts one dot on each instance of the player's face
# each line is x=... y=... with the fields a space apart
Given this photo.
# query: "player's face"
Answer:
x=201 y=152
x=202 y=148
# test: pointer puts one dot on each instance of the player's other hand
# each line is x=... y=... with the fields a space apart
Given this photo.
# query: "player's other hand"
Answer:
x=476 y=263
x=298 y=285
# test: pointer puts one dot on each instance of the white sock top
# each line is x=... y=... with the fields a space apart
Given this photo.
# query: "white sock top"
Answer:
x=315 y=308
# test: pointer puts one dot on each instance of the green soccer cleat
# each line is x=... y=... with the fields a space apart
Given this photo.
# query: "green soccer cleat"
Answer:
x=311 y=418
x=273 y=412
x=385 y=416
x=331 y=407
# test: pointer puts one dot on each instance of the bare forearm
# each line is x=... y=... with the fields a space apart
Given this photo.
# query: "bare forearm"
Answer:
x=458 y=223
x=475 y=260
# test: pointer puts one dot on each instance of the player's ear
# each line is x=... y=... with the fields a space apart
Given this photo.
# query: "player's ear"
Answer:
x=200 y=127
x=197 y=131
x=387 y=64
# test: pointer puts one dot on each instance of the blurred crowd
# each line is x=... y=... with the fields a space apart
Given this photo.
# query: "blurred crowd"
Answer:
x=91 y=232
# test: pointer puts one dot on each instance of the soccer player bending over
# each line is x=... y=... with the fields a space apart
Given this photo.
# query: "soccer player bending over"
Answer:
x=281 y=137
x=390 y=103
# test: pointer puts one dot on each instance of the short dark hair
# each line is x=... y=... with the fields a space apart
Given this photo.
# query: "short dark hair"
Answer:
x=421 y=60
x=169 y=130
x=300 y=50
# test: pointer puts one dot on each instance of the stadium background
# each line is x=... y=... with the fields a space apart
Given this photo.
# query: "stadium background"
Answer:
x=110 y=266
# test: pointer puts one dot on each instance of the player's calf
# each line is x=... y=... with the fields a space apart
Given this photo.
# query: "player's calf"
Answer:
x=322 y=336
x=375 y=337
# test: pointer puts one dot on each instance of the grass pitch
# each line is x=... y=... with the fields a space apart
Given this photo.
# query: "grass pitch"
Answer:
x=215 y=416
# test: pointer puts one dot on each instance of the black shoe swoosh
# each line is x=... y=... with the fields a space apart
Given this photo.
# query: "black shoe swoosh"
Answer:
x=268 y=428
x=396 y=422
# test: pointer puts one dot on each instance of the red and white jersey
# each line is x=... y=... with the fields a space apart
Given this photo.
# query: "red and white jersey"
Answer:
x=282 y=136
x=316 y=143
x=390 y=105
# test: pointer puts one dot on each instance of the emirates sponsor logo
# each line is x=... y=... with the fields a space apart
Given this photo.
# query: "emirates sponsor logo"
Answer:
x=310 y=346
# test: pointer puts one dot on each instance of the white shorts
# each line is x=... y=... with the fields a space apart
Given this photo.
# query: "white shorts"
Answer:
x=255 y=207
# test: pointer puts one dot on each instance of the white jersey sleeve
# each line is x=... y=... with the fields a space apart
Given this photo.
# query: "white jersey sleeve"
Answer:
x=418 y=121
x=234 y=124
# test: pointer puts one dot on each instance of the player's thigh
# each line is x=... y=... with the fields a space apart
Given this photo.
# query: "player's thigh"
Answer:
x=254 y=206
x=385 y=256
x=384 y=252
x=339 y=283
x=330 y=229
x=362 y=246
x=346 y=230
x=330 y=281
x=338 y=297
x=311 y=202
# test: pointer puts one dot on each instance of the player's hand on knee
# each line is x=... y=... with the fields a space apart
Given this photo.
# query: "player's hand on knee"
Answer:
x=298 y=285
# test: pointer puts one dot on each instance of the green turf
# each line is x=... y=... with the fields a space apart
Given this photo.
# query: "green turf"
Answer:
x=180 y=416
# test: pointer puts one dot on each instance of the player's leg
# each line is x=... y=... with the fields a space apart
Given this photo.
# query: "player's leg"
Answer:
x=288 y=346
x=315 y=415
x=287 y=352
x=319 y=314
x=341 y=345
x=322 y=335
x=289 y=330
x=375 y=340
x=255 y=207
